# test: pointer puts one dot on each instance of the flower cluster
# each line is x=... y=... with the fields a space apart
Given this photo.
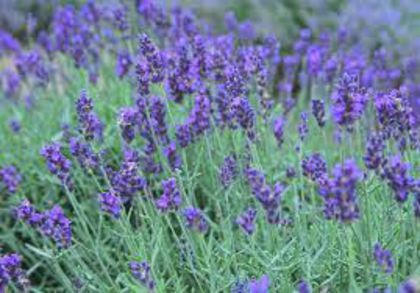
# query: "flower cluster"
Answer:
x=11 y=271
x=170 y=200
x=142 y=272
x=57 y=163
x=195 y=219
x=50 y=223
x=10 y=178
x=89 y=124
x=383 y=258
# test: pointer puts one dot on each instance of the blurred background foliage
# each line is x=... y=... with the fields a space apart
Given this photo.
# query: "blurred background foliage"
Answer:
x=392 y=22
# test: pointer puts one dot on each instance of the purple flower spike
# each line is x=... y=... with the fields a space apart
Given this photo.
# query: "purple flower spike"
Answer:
x=57 y=226
x=383 y=258
x=11 y=271
x=318 y=110
x=374 y=156
x=10 y=178
x=89 y=124
x=304 y=287
x=172 y=156
x=228 y=171
x=259 y=286
x=397 y=174
x=247 y=220
x=195 y=219
x=57 y=163
x=142 y=272
x=170 y=200
x=123 y=64
x=314 y=167
x=278 y=129
x=110 y=203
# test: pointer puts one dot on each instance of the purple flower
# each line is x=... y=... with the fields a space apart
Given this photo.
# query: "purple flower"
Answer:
x=83 y=153
x=57 y=226
x=195 y=219
x=51 y=223
x=349 y=101
x=57 y=163
x=314 y=167
x=142 y=272
x=410 y=286
x=110 y=203
x=303 y=126
x=278 y=130
x=383 y=258
x=153 y=57
x=199 y=119
x=89 y=124
x=127 y=121
x=228 y=171
x=11 y=271
x=314 y=59
x=157 y=122
x=123 y=64
x=183 y=135
x=259 y=286
x=170 y=199
x=269 y=197
x=339 y=193
x=246 y=220
x=10 y=178
x=172 y=156
x=8 y=43
x=11 y=82
x=244 y=116
x=304 y=287
x=318 y=110
x=127 y=182
x=374 y=154
x=396 y=172
x=14 y=125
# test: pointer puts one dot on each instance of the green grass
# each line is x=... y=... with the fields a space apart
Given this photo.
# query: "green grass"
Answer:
x=328 y=254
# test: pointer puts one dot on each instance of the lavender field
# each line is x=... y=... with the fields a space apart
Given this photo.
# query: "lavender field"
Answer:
x=148 y=146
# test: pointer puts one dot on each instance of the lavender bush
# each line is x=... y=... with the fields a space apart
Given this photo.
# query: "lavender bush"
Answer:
x=146 y=148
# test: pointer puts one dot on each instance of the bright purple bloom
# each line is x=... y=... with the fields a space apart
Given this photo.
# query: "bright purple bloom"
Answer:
x=172 y=156
x=339 y=194
x=195 y=219
x=170 y=200
x=57 y=226
x=110 y=203
x=157 y=120
x=14 y=125
x=383 y=258
x=314 y=59
x=8 y=43
x=11 y=271
x=304 y=287
x=199 y=118
x=228 y=171
x=269 y=197
x=126 y=181
x=83 y=153
x=10 y=178
x=142 y=272
x=318 y=110
x=183 y=135
x=89 y=124
x=127 y=121
x=259 y=286
x=278 y=129
x=349 y=101
x=396 y=172
x=153 y=57
x=374 y=154
x=247 y=220
x=244 y=116
x=57 y=163
x=314 y=167
x=303 y=126
x=11 y=82
x=123 y=64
